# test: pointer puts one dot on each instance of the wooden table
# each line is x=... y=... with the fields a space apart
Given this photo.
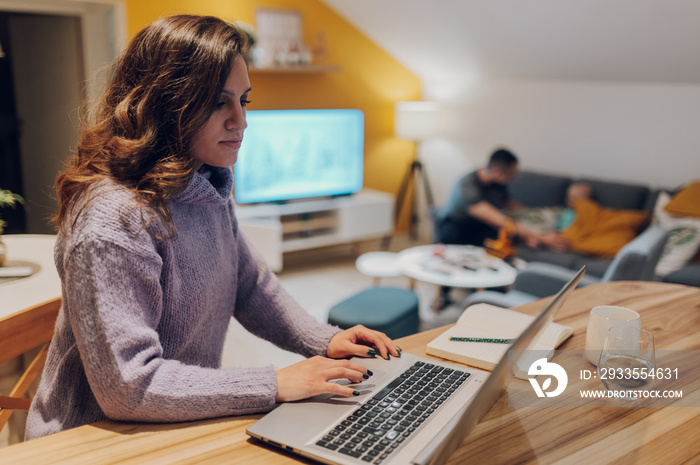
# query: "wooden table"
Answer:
x=36 y=252
x=505 y=435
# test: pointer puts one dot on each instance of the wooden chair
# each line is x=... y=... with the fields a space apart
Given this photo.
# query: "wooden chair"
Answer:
x=20 y=333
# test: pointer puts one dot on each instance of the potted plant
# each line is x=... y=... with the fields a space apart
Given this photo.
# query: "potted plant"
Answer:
x=7 y=199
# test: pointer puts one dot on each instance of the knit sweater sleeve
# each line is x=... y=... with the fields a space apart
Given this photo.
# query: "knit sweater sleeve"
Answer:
x=267 y=310
x=115 y=323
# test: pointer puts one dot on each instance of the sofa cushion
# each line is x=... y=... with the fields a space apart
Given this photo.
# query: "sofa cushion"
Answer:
x=690 y=276
x=686 y=202
x=539 y=190
x=618 y=195
x=565 y=259
x=684 y=242
x=595 y=266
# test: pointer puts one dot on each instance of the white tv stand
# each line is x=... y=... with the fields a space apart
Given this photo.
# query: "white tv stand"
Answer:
x=274 y=229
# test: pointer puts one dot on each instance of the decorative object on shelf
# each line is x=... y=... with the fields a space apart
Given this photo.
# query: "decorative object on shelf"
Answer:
x=417 y=121
x=279 y=42
x=320 y=47
x=2 y=52
x=502 y=247
x=258 y=62
x=277 y=45
x=7 y=199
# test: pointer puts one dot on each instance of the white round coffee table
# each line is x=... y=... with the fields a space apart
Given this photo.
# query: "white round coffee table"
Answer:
x=462 y=266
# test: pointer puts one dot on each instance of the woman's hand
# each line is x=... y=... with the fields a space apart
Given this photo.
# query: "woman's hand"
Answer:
x=310 y=377
x=359 y=341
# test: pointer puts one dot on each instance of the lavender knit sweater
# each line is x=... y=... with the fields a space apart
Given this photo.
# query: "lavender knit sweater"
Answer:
x=142 y=327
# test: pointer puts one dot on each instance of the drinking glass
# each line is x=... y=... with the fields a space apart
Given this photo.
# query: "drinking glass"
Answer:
x=627 y=361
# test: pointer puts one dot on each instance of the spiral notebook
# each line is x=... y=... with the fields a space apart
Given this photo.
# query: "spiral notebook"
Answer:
x=491 y=322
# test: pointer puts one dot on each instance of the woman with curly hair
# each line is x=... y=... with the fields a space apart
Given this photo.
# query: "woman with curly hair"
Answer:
x=152 y=262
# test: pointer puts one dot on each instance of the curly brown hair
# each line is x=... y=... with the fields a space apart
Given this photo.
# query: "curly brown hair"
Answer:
x=162 y=90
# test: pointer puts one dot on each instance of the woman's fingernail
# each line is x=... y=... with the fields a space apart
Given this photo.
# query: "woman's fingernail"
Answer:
x=365 y=376
x=371 y=353
x=355 y=393
x=369 y=372
x=399 y=349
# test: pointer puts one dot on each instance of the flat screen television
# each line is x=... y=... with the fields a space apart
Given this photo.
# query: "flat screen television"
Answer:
x=298 y=154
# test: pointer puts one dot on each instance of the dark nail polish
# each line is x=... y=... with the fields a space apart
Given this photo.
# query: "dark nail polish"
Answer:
x=365 y=376
x=371 y=353
x=355 y=393
x=369 y=372
x=399 y=349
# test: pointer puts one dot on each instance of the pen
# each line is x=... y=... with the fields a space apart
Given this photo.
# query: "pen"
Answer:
x=482 y=339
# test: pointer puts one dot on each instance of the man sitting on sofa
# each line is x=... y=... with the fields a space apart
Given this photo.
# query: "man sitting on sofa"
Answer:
x=474 y=210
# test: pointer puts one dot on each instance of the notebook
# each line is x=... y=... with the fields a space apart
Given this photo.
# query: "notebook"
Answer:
x=491 y=322
x=396 y=420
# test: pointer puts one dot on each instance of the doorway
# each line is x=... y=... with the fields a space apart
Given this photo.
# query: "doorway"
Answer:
x=53 y=52
x=10 y=155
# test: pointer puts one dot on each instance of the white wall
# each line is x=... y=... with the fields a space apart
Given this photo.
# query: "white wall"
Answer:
x=638 y=133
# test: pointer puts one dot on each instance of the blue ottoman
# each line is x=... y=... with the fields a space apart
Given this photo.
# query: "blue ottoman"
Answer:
x=390 y=310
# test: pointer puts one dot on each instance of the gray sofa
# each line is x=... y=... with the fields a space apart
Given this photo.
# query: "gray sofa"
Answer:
x=689 y=275
x=546 y=190
x=636 y=261
x=547 y=271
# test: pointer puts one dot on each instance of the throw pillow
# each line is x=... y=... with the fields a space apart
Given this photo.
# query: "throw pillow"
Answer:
x=684 y=240
x=686 y=202
x=603 y=231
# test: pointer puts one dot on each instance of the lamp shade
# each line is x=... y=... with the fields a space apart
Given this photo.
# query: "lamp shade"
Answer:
x=417 y=120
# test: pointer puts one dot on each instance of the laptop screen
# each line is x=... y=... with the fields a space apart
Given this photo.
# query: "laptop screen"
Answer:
x=440 y=449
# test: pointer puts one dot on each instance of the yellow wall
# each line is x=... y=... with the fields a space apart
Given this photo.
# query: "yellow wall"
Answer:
x=370 y=79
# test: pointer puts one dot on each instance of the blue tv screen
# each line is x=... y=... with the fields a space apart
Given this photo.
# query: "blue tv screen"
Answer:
x=296 y=154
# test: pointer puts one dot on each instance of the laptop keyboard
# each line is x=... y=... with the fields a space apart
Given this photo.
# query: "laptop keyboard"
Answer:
x=385 y=421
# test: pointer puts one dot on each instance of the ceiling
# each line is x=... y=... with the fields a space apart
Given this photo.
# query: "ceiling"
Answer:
x=450 y=41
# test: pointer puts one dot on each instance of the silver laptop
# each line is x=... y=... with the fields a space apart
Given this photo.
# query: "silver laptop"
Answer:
x=414 y=410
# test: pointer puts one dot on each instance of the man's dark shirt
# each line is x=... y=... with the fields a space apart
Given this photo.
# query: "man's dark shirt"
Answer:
x=455 y=226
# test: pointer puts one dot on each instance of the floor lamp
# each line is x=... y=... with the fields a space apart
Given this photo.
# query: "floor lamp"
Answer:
x=415 y=121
